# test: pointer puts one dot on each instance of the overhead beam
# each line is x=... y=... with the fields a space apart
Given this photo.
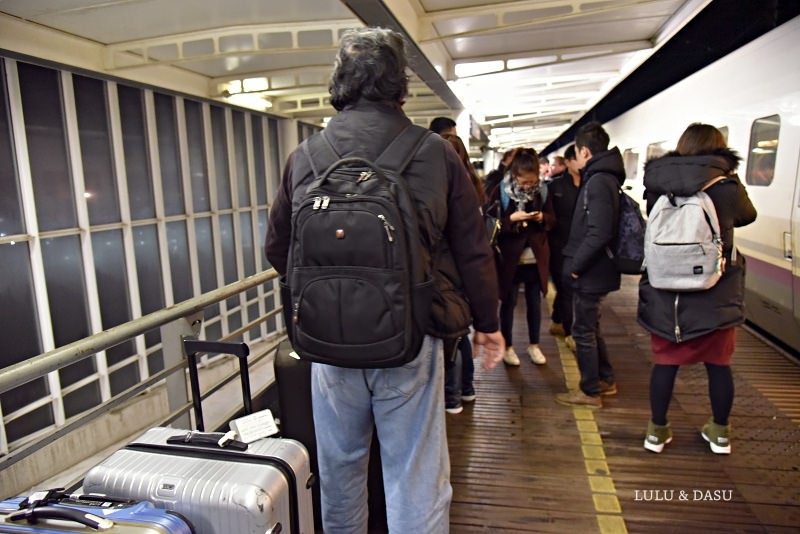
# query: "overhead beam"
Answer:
x=561 y=55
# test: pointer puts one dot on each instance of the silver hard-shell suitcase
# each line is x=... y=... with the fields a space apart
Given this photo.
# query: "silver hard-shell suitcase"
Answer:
x=265 y=489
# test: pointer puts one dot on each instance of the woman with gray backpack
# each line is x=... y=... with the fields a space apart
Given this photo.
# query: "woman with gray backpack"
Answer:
x=691 y=305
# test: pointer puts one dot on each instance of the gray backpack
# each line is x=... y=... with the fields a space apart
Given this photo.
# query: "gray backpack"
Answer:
x=683 y=244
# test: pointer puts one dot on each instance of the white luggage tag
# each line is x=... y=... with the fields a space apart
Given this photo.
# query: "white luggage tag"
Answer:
x=254 y=426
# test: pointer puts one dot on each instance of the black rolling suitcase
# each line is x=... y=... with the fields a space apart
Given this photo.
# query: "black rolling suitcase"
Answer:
x=222 y=487
x=293 y=377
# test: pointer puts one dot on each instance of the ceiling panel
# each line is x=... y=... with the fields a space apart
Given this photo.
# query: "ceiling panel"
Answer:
x=551 y=59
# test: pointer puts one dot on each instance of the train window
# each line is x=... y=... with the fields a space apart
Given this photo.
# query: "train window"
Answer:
x=656 y=150
x=763 y=148
x=631 y=160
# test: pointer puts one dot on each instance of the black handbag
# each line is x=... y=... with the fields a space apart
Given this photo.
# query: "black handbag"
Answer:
x=492 y=223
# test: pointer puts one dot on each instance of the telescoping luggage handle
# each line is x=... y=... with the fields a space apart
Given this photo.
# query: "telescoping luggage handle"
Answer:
x=193 y=347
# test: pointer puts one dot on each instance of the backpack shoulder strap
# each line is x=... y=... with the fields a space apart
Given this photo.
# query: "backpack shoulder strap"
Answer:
x=320 y=153
x=713 y=181
x=402 y=149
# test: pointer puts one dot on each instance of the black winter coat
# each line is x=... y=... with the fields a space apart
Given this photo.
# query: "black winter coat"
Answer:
x=594 y=225
x=686 y=315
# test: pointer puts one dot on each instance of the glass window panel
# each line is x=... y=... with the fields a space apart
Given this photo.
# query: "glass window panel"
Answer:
x=220 y=140
x=213 y=331
x=179 y=266
x=248 y=254
x=228 y=255
x=112 y=288
x=66 y=295
x=148 y=273
x=763 y=150
x=235 y=323
x=197 y=155
x=262 y=238
x=205 y=254
x=82 y=399
x=252 y=315
x=240 y=150
x=19 y=335
x=47 y=151
x=11 y=222
x=269 y=304
x=206 y=261
x=656 y=150
x=257 y=125
x=134 y=142
x=155 y=362
x=168 y=154
x=631 y=161
x=124 y=378
x=275 y=154
x=95 y=139
x=36 y=420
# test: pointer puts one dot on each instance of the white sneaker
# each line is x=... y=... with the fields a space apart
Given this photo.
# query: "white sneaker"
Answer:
x=536 y=355
x=510 y=357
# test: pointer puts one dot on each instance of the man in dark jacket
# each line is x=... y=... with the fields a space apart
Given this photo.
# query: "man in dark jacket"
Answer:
x=564 y=191
x=591 y=271
x=405 y=404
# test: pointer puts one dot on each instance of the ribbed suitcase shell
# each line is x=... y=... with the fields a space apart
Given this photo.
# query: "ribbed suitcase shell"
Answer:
x=137 y=518
x=220 y=491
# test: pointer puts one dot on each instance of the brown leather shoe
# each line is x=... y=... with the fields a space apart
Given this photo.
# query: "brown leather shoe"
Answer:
x=579 y=399
x=606 y=389
x=557 y=329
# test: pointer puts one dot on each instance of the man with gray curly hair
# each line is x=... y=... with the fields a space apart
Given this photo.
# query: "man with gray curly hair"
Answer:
x=405 y=404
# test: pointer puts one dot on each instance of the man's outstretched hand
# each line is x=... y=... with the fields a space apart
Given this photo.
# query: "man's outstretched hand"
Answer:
x=490 y=347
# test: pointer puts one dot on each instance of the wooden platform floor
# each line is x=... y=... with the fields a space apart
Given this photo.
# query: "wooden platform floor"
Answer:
x=522 y=463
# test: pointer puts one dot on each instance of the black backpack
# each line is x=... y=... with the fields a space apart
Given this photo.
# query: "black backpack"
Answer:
x=360 y=284
x=627 y=249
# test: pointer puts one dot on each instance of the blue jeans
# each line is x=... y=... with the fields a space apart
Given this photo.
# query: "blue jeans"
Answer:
x=592 y=354
x=405 y=405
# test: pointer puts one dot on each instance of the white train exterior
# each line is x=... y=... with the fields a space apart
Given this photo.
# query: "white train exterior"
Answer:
x=753 y=94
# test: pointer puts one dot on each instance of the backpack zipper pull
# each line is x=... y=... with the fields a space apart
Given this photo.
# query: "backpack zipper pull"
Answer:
x=317 y=202
x=366 y=175
x=325 y=202
x=296 y=313
x=388 y=227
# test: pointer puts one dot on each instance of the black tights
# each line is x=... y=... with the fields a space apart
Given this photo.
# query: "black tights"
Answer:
x=720 y=391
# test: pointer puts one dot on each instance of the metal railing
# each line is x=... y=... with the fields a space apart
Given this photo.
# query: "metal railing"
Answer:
x=176 y=322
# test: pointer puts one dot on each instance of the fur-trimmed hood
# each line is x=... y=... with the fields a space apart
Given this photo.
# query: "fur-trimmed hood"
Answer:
x=685 y=175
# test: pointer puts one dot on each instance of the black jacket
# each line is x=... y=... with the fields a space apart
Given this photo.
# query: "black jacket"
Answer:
x=447 y=208
x=686 y=315
x=564 y=193
x=594 y=225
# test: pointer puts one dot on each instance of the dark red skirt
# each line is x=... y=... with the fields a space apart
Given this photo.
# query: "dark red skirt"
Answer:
x=715 y=347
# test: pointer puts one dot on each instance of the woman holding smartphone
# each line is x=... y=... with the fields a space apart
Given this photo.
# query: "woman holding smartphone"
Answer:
x=526 y=214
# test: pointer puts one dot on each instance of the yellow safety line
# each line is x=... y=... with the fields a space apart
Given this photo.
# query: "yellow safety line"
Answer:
x=604 y=492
